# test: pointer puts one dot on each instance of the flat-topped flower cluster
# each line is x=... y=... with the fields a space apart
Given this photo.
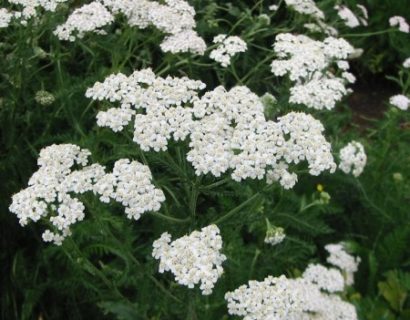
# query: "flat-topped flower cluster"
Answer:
x=353 y=158
x=193 y=259
x=227 y=129
x=307 y=63
x=312 y=296
x=53 y=190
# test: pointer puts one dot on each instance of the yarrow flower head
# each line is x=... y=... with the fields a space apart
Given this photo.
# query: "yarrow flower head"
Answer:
x=400 y=22
x=353 y=158
x=173 y=17
x=274 y=235
x=339 y=258
x=307 y=7
x=406 y=63
x=400 y=101
x=89 y=18
x=44 y=98
x=161 y=101
x=193 y=259
x=307 y=61
x=349 y=18
x=52 y=189
x=5 y=17
x=227 y=48
x=310 y=297
x=130 y=183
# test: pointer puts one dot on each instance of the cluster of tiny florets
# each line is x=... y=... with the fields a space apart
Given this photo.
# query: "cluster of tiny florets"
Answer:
x=227 y=47
x=400 y=101
x=193 y=259
x=5 y=17
x=174 y=17
x=400 y=22
x=327 y=279
x=159 y=101
x=307 y=7
x=29 y=9
x=307 y=62
x=130 y=184
x=227 y=129
x=274 y=235
x=349 y=18
x=406 y=63
x=353 y=158
x=88 y=18
x=63 y=174
x=308 y=298
x=347 y=263
x=49 y=192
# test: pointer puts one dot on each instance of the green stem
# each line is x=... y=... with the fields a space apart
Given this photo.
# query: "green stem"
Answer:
x=169 y=218
x=368 y=34
x=237 y=209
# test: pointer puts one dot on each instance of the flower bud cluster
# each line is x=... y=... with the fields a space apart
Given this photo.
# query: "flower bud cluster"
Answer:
x=227 y=47
x=274 y=235
x=88 y=18
x=193 y=259
x=63 y=174
x=344 y=261
x=353 y=158
x=307 y=62
x=306 y=298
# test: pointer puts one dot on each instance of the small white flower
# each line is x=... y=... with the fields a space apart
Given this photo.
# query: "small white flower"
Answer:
x=193 y=259
x=400 y=101
x=406 y=63
x=339 y=258
x=353 y=158
x=227 y=48
x=401 y=22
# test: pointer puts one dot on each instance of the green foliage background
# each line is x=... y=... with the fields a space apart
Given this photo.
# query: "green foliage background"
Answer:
x=106 y=270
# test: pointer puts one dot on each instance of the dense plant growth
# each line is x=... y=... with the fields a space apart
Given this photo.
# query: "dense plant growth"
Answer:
x=204 y=159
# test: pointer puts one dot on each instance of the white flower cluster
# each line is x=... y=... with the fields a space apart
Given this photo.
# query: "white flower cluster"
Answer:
x=353 y=158
x=227 y=129
x=88 y=18
x=227 y=47
x=350 y=19
x=29 y=10
x=344 y=261
x=5 y=17
x=193 y=259
x=175 y=18
x=51 y=189
x=160 y=98
x=307 y=62
x=400 y=22
x=307 y=7
x=400 y=101
x=406 y=63
x=327 y=279
x=275 y=235
x=130 y=183
x=308 y=298
x=232 y=133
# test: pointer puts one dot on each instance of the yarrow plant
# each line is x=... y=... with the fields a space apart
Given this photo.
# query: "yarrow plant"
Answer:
x=353 y=158
x=227 y=47
x=313 y=296
x=193 y=259
x=307 y=63
x=51 y=189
